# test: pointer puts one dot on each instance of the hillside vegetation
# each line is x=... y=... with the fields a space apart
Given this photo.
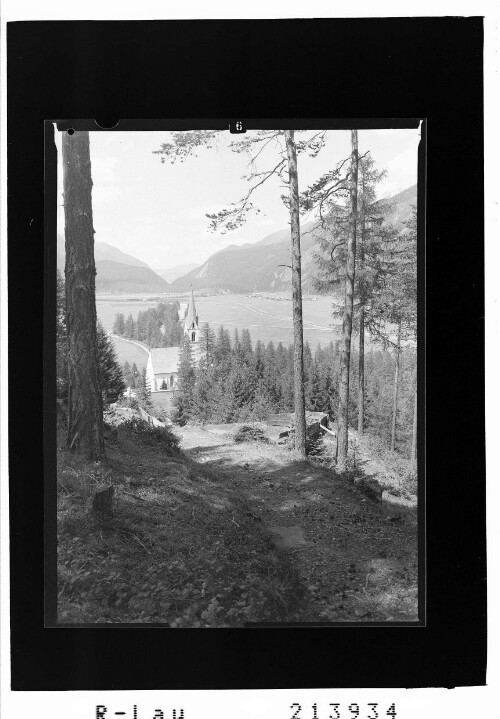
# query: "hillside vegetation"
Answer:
x=180 y=548
x=118 y=272
x=118 y=277
x=223 y=533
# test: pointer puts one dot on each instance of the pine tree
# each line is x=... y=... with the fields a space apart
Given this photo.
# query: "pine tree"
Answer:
x=261 y=407
x=395 y=305
x=207 y=345
x=186 y=144
x=205 y=393
x=259 y=360
x=343 y=416
x=135 y=376
x=143 y=392
x=222 y=351
x=246 y=346
x=183 y=402
x=413 y=453
x=298 y=330
x=61 y=347
x=242 y=390
x=119 y=324
x=271 y=380
x=110 y=374
x=331 y=256
x=127 y=374
x=85 y=430
x=129 y=327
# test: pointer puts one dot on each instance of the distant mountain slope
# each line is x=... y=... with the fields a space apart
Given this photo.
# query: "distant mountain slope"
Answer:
x=102 y=251
x=117 y=271
x=262 y=266
x=241 y=269
x=172 y=273
x=398 y=208
x=120 y=277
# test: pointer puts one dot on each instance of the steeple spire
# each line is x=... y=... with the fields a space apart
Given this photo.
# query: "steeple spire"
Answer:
x=191 y=322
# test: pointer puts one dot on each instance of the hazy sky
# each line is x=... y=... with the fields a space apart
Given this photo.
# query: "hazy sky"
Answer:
x=156 y=212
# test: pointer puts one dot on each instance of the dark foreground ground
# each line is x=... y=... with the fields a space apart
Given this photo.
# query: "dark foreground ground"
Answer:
x=219 y=533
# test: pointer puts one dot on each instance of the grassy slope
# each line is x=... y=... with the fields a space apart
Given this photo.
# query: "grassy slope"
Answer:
x=189 y=543
x=180 y=548
x=359 y=559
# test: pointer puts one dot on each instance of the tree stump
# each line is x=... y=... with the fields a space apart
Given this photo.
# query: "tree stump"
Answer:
x=103 y=499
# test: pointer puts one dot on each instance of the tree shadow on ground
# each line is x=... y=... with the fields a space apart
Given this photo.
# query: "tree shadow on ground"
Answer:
x=347 y=535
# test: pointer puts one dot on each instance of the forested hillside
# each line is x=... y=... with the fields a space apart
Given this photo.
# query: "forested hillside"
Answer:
x=238 y=381
x=157 y=326
x=118 y=272
x=243 y=269
x=264 y=266
x=119 y=277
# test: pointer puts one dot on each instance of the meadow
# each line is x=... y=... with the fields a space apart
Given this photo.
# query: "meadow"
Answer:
x=267 y=318
x=128 y=352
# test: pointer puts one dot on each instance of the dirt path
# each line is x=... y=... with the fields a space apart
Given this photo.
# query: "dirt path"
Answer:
x=357 y=559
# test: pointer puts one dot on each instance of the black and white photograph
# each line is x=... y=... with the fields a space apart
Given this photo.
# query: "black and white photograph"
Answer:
x=243 y=362
x=237 y=376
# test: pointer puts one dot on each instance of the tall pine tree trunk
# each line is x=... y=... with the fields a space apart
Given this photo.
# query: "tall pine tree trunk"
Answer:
x=298 y=337
x=361 y=372
x=396 y=389
x=413 y=456
x=345 y=360
x=85 y=420
x=362 y=299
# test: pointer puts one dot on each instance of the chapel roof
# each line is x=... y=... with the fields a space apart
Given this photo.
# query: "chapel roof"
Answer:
x=164 y=359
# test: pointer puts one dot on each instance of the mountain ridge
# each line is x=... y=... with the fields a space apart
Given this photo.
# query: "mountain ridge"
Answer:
x=117 y=271
x=120 y=278
x=102 y=251
x=263 y=266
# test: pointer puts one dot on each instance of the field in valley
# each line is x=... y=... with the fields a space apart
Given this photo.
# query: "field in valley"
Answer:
x=267 y=318
x=130 y=352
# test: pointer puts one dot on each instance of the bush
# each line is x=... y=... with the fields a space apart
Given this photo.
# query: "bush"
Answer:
x=250 y=434
x=151 y=436
x=400 y=473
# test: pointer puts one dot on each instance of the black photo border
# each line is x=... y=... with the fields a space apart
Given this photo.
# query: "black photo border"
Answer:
x=110 y=71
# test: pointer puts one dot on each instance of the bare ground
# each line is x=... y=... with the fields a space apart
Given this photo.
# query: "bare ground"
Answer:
x=355 y=558
x=219 y=533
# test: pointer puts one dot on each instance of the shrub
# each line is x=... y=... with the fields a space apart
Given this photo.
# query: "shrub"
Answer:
x=400 y=473
x=250 y=434
x=152 y=436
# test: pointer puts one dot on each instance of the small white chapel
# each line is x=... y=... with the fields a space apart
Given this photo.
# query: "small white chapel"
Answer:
x=163 y=362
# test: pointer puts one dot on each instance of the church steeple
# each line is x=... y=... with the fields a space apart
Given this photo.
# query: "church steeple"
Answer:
x=191 y=326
